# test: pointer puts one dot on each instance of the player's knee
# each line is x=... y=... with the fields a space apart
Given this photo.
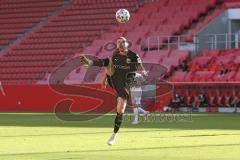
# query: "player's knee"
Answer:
x=121 y=100
x=121 y=105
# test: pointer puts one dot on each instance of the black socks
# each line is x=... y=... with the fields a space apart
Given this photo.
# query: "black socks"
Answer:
x=118 y=122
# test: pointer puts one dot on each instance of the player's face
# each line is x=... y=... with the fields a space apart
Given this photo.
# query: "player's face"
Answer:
x=121 y=45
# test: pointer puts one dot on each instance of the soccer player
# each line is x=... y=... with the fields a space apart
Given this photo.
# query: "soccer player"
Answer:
x=118 y=67
x=136 y=97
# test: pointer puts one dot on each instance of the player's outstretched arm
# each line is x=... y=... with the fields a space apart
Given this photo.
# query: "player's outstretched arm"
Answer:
x=85 y=60
x=97 y=62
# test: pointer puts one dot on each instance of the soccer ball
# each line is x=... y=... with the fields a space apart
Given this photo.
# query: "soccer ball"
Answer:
x=122 y=15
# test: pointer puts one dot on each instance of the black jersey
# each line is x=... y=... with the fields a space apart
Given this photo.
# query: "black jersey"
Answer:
x=123 y=65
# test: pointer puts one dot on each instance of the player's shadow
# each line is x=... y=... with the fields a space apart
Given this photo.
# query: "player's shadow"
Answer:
x=198 y=121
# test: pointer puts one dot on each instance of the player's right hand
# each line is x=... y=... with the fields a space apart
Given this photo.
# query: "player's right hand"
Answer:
x=84 y=59
x=104 y=84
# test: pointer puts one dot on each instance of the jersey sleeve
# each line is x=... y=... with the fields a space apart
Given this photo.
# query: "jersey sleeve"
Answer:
x=101 y=62
x=136 y=58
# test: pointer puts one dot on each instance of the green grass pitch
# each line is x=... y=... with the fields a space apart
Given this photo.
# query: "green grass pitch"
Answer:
x=41 y=136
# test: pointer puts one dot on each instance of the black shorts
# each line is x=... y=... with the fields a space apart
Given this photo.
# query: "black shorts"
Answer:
x=122 y=92
x=121 y=89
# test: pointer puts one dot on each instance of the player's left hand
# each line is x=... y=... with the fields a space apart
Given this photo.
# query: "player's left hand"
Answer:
x=103 y=85
x=144 y=73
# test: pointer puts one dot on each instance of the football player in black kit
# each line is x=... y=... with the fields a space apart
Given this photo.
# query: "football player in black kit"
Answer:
x=120 y=69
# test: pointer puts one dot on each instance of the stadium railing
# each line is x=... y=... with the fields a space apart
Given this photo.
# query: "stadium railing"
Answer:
x=168 y=42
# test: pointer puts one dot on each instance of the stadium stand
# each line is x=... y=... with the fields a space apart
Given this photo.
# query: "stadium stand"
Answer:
x=155 y=18
x=18 y=17
x=160 y=18
x=38 y=36
x=63 y=33
x=79 y=23
x=211 y=66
